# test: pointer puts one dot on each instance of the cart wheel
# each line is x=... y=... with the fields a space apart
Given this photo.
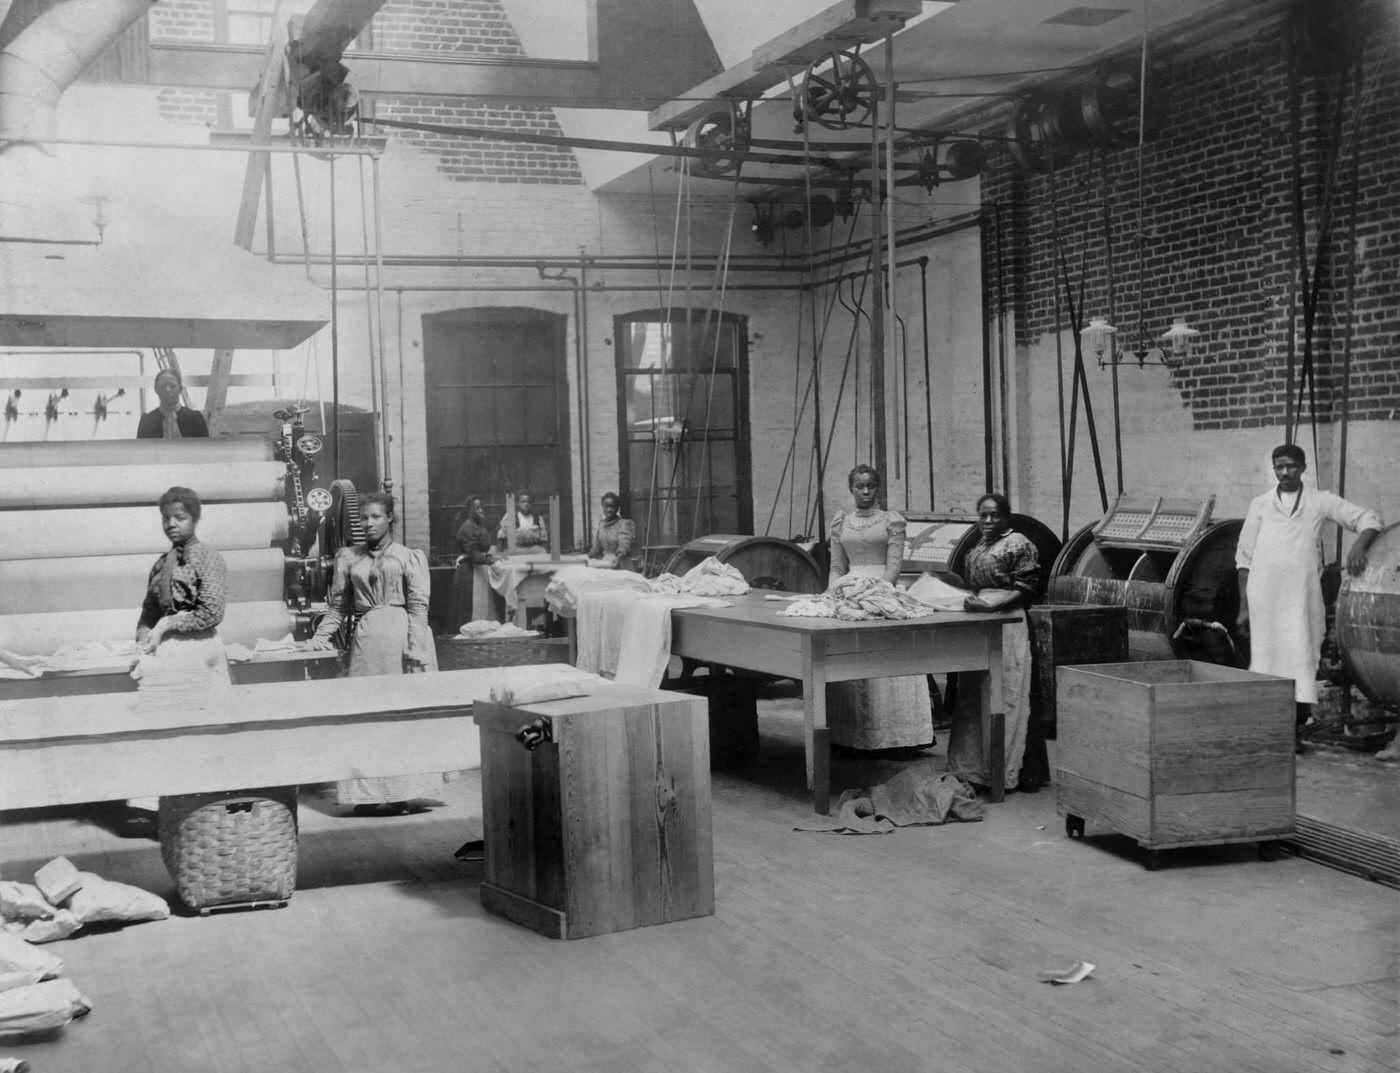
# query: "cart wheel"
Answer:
x=1153 y=861
x=1268 y=851
x=1074 y=827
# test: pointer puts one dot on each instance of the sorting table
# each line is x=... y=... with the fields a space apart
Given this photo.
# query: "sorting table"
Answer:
x=814 y=651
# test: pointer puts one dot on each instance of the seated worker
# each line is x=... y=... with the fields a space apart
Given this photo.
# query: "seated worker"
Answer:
x=614 y=537
x=530 y=528
x=170 y=420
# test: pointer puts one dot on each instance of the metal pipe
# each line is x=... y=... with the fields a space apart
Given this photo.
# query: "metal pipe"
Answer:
x=585 y=461
x=97 y=143
x=928 y=375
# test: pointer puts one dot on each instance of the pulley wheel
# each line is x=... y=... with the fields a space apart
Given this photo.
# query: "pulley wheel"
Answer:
x=839 y=96
x=724 y=141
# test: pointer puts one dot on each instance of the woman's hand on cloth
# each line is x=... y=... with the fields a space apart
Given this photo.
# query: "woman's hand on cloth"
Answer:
x=314 y=644
x=147 y=642
x=993 y=600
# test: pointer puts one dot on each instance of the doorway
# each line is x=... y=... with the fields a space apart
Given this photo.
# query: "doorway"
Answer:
x=496 y=381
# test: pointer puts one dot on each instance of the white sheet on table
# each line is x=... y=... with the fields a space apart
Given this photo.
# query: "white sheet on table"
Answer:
x=627 y=635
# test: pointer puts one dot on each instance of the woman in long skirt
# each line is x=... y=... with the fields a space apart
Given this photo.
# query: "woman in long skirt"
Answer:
x=380 y=591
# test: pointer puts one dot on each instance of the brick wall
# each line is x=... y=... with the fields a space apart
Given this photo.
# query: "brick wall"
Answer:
x=461 y=27
x=1217 y=236
x=475 y=28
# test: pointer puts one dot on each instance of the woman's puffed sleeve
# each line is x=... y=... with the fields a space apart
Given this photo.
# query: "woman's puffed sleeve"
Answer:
x=417 y=580
x=840 y=562
x=895 y=529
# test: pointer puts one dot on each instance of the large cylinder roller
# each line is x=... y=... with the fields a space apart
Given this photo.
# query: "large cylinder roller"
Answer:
x=112 y=486
x=51 y=534
x=119 y=581
x=1368 y=621
x=765 y=562
x=1170 y=566
x=109 y=453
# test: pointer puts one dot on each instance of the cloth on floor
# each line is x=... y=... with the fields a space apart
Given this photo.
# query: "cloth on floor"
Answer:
x=626 y=635
x=916 y=797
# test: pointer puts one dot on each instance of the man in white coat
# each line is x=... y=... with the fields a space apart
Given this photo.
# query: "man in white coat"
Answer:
x=1279 y=558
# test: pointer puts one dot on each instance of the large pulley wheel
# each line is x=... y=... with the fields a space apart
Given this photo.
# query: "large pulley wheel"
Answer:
x=343 y=527
x=838 y=91
x=1028 y=137
x=1113 y=109
x=723 y=138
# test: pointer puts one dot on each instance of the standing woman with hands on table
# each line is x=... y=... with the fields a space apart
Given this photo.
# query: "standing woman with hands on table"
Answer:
x=381 y=591
x=186 y=591
x=875 y=713
x=614 y=537
x=1003 y=573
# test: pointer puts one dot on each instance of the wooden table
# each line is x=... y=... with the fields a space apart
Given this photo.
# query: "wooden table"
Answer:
x=522 y=578
x=815 y=651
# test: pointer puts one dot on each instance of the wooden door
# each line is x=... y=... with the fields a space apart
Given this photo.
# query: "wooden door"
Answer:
x=498 y=417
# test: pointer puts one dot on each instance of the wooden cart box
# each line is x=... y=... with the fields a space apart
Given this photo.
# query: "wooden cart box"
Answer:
x=1176 y=752
x=605 y=827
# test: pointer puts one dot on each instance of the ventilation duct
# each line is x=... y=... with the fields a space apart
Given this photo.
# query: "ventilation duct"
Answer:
x=65 y=285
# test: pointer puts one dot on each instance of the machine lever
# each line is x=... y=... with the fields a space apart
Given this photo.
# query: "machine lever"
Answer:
x=537 y=733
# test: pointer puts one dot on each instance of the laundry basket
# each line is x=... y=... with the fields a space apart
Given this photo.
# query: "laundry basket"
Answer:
x=232 y=849
x=460 y=654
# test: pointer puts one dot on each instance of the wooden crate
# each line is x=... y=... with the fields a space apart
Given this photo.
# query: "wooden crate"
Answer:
x=1176 y=752
x=605 y=827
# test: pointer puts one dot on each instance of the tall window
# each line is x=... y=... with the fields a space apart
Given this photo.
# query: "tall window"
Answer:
x=683 y=424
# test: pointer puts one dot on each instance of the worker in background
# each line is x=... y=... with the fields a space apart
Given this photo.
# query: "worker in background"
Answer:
x=530 y=528
x=1279 y=559
x=614 y=537
x=170 y=420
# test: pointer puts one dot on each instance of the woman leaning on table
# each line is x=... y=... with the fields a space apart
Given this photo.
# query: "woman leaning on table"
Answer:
x=186 y=591
x=876 y=713
x=380 y=590
x=1003 y=573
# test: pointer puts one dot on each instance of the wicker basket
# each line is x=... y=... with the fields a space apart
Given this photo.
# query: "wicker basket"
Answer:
x=460 y=654
x=234 y=848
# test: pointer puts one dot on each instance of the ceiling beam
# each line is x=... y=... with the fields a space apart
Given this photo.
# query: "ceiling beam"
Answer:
x=842 y=25
x=237 y=67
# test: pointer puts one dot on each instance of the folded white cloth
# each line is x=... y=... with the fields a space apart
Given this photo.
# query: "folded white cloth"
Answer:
x=569 y=582
x=627 y=635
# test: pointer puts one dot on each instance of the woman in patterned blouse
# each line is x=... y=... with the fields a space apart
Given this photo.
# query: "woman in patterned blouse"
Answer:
x=1003 y=572
x=185 y=596
x=381 y=590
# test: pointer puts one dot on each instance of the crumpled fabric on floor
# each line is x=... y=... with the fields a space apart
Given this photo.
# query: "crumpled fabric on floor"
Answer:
x=916 y=797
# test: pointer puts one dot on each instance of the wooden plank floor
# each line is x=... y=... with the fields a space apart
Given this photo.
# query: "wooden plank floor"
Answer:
x=920 y=950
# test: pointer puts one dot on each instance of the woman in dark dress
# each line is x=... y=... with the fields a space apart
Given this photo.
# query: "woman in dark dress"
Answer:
x=474 y=548
x=1003 y=573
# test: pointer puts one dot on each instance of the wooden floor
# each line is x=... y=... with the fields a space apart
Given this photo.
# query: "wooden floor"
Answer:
x=920 y=950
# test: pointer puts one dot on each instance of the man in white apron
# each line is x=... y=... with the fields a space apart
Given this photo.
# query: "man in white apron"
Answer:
x=1279 y=558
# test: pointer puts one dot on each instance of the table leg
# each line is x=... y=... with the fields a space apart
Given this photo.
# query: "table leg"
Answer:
x=994 y=719
x=816 y=737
